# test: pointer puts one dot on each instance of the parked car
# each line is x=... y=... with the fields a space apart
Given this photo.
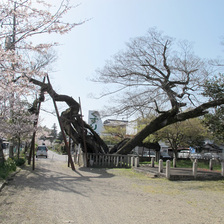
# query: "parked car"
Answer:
x=41 y=151
x=196 y=156
x=213 y=156
x=165 y=156
x=149 y=154
x=184 y=154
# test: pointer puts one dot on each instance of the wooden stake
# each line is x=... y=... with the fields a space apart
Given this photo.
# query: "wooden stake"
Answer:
x=62 y=131
x=83 y=134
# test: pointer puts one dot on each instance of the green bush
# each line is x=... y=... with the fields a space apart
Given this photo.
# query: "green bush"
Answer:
x=20 y=161
x=8 y=166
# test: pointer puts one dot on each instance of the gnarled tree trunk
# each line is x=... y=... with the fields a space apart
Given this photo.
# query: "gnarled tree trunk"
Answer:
x=71 y=117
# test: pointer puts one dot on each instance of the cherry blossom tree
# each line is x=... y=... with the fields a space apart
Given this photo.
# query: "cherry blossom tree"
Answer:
x=21 y=57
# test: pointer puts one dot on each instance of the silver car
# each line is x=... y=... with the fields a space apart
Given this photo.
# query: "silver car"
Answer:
x=41 y=151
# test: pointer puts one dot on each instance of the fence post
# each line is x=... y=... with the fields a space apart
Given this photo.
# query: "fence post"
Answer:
x=129 y=161
x=210 y=164
x=222 y=166
x=195 y=166
x=153 y=162
x=91 y=160
x=132 y=161
x=84 y=156
x=168 y=169
x=160 y=166
x=108 y=160
x=136 y=161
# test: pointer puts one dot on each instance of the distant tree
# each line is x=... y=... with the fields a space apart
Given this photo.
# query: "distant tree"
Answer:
x=17 y=123
x=214 y=120
x=60 y=138
x=54 y=133
x=113 y=134
x=183 y=134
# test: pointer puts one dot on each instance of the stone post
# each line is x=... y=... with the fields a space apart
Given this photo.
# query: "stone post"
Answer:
x=91 y=160
x=210 y=164
x=168 y=169
x=195 y=166
x=129 y=161
x=132 y=161
x=222 y=167
x=84 y=160
x=153 y=162
x=160 y=166
x=136 y=161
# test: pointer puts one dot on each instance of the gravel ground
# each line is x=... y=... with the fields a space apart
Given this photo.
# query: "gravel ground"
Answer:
x=53 y=193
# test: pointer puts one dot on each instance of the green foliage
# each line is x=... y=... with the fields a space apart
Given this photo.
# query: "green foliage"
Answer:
x=114 y=134
x=53 y=133
x=59 y=148
x=60 y=138
x=214 y=89
x=10 y=164
x=7 y=167
x=187 y=133
x=20 y=161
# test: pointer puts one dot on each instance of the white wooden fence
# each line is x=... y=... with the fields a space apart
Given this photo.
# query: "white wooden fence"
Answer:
x=107 y=160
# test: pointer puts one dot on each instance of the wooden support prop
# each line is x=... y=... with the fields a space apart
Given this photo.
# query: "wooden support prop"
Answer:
x=62 y=131
x=32 y=149
x=84 y=135
x=69 y=141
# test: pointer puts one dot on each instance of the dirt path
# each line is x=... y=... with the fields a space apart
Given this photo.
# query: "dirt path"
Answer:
x=54 y=193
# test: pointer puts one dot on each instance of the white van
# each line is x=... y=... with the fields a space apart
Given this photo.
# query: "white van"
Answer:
x=184 y=154
x=41 y=151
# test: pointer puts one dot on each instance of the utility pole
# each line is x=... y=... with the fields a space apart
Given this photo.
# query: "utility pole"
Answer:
x=10 y=41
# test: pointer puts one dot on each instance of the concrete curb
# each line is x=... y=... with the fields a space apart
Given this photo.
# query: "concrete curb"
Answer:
x=10 y=177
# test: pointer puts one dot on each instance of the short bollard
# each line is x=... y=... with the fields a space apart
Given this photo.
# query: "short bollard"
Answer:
x=132 y=161
x=195 y=166
x=168 y=169
x=222 y=172
x=136 y=161
x=210 y=164
x=160 y=166
x=153 y=162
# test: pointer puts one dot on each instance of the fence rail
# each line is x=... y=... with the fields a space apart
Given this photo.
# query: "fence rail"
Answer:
x=109 y=160
x=101 y=160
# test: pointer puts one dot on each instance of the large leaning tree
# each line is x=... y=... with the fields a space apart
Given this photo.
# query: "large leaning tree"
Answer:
x=156 y=74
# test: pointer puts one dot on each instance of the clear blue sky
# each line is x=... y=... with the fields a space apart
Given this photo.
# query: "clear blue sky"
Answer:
x=112 y=23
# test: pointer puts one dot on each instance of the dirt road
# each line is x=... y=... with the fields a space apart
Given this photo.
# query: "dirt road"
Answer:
x=53 y=193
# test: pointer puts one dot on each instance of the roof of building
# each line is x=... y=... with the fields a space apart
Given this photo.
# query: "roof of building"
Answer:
x=113 y=122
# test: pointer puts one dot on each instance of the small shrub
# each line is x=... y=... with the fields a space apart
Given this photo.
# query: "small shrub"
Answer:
x=5 y=168
x=10 y=164
x=20 y=161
